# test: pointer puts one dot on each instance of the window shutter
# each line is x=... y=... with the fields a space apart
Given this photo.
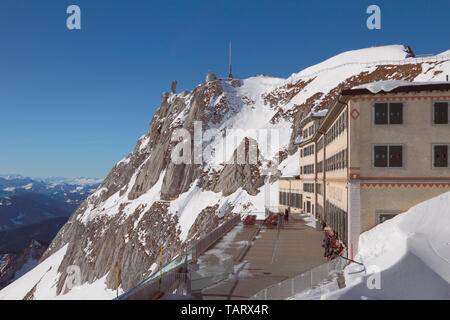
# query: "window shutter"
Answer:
x=381 y=113
x=395 y=156
x=441 y=156
x=380 y=156
x=441 y=113
x=396 y=113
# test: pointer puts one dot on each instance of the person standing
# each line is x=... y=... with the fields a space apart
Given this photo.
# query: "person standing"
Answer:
x=286 y=215
x=280 y=219
x=331 y=244
x=326 y=243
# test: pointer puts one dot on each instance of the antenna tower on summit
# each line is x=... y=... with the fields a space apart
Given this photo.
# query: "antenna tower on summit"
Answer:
x=230 y=75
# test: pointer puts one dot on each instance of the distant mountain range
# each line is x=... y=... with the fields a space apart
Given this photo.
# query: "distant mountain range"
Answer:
x=32 y=210
x=27 y=205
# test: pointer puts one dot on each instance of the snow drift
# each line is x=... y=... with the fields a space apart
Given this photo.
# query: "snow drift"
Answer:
x=411 y=252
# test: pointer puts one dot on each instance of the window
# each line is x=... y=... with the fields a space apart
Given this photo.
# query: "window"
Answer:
x=320 y=144
x=441 y=113
x=336 y=219
x=396 y=113
x=381 y=110
x=337 y=161
x=336 y=129
x=308 y=169
x=319 y=188
x=388 y=156
x=309 y=150
x=381 y=156
x=308 y=187
x=320 y=167
x=297 y=200
x=384 y=215
x=391 y=113
x=319 y=210
x=395 y=156
x=440 y=156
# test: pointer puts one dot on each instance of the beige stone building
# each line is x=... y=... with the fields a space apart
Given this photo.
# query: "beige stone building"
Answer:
x=373 y=155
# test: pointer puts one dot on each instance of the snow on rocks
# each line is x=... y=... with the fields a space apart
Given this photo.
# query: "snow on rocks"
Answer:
x=361 y=56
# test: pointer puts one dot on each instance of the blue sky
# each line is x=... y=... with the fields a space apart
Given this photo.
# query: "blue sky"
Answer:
x=73 y=103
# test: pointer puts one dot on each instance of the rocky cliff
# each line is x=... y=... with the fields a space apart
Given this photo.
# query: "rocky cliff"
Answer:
x=14 y=265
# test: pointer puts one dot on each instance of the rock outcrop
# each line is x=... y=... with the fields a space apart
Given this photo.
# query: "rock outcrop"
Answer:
x=14 y=265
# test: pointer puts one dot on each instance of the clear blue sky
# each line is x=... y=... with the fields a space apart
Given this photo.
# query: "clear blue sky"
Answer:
x=73 y=103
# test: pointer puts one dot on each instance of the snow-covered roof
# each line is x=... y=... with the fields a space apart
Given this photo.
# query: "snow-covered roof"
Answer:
x=312 y=115
x=321 y=113
x=390 y=85
x=298 y=140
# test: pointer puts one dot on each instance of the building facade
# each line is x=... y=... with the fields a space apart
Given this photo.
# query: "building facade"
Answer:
x=294 y=194
x=375 y=155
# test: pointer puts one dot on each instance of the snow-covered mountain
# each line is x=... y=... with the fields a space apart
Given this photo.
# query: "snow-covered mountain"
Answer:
x=15 y=265
x=147 y=200
x=25 y=200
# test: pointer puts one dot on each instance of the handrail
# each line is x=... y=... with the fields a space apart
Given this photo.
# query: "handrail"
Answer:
x=191 y=254
x=306 y=280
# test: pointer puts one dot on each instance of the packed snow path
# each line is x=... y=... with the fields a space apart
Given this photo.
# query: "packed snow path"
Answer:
x=273 y=256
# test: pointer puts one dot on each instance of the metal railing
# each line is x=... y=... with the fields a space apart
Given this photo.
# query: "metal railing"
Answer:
x=405 y=61
x=307 y=280
x=169 y=282
x=211 y=274
x=151 y=286
x=271 y=210
x=207 y=241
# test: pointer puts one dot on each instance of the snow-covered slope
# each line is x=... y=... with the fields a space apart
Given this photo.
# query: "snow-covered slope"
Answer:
x=15 y=265
x=411 y=252
x=147 y=200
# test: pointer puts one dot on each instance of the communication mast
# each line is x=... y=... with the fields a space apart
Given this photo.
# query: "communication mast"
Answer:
x=230 y=76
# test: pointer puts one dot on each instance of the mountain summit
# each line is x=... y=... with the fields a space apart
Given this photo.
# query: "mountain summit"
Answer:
x=148 y=200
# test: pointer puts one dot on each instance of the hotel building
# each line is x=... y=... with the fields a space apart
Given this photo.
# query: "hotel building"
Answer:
x=373 y=156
